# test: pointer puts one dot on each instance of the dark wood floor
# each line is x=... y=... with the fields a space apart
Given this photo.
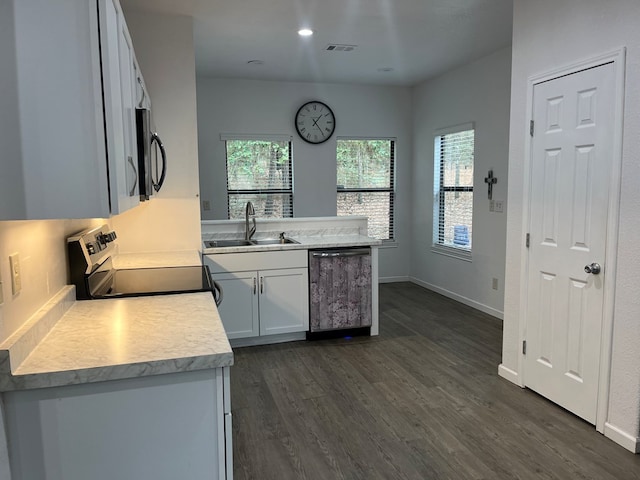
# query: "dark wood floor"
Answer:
x=421 y=401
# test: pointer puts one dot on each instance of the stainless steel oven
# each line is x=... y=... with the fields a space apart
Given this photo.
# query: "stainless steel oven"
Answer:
x=91 y=271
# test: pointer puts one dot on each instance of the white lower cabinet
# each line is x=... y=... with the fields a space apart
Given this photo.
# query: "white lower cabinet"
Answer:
x=262 y=301
x=161 y=427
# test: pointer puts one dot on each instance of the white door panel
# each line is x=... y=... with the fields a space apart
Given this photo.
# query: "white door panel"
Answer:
x=239 y=308
x=284 y=301
x=571 y=160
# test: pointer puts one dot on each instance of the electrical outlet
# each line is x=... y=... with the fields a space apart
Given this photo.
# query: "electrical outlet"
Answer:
x=499 y=206
x=494 y=283
x=492 y=205
x=206 y=205
x=16 y=277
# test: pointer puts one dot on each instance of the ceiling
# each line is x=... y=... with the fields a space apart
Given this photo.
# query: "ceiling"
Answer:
x=398 y=42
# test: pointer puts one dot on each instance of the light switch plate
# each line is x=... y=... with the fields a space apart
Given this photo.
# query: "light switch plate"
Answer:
x=16 y=277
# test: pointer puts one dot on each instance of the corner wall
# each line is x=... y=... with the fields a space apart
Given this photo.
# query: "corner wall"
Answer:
x=549 y=35
x=267 y=107
x=171 y=220
x=42 y=245
x=477 y=92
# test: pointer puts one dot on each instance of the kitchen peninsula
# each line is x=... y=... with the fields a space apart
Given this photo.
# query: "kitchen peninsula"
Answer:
x=119 y=388
x=294 y=278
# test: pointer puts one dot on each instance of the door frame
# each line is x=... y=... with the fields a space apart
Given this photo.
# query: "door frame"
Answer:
x=617 y=57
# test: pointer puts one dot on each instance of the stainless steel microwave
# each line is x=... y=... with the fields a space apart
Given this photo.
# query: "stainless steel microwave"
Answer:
x=151 y=169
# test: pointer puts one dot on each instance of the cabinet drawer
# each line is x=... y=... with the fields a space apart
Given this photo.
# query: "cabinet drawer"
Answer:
x=251 y=261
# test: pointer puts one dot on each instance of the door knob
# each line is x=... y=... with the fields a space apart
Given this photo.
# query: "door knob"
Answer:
x=593 y=268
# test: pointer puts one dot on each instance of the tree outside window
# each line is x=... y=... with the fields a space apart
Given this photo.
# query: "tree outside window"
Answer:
x=365 y=182
x=259 y=171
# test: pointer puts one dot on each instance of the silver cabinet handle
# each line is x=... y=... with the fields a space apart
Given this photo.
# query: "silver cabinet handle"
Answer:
x=255 y=285
x=135 y=170
x=261 y=285
x=143 y=93
x=594 y=268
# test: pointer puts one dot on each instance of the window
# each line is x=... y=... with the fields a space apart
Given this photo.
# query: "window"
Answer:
x=365 y=182
x=259 y=171
x=453 y=190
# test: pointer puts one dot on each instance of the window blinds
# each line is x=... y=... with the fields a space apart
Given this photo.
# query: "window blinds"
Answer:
x=453 y=223
x=365 y=182
x=259 y=171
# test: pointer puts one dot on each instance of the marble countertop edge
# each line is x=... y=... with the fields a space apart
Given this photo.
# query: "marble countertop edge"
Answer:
x=35 y=380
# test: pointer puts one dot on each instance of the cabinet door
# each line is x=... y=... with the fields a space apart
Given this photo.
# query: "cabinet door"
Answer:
x=110 y=20
x=157 y=427
x=239 y=308
x=284 y=301
x=130 y=197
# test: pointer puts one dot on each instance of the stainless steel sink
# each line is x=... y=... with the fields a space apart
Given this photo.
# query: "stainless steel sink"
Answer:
x=227 y=243
x=247 y=243
x=272 y=241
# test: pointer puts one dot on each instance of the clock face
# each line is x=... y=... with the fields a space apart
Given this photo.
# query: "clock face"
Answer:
x=315 y=122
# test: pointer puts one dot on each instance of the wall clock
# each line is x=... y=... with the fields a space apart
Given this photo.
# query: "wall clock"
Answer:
x=315 y=122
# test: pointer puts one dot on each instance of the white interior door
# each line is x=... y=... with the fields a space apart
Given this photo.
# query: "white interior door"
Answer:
x=572 y=154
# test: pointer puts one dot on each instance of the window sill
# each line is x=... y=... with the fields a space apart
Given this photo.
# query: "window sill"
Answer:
x=453 y=252
x=388 y=244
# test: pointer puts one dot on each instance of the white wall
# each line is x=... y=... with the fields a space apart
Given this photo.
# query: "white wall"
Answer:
x=548 y=35
x=477 y=92
x=43 y=264
x=266 y=107
x=11 y=179
x=164 y=49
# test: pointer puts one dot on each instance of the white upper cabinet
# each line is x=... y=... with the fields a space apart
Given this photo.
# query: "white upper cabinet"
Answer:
x=68 y=141
x=119 y=99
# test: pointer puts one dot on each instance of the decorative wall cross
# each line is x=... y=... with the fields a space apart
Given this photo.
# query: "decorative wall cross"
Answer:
x=490 y=180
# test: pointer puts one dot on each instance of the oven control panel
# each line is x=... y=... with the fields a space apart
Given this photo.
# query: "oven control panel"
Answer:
x=89 y=251
x=91 y=247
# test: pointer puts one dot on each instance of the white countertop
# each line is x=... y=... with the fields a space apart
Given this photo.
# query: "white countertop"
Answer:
x=89 y=341
x=305 y=242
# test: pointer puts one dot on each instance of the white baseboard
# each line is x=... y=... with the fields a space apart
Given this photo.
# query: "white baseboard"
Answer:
x=623 y=439
x=393 y=279
x=459 y=298
x=510 y=375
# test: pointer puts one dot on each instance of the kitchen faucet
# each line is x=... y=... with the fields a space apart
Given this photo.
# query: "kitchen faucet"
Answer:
x=249 y=212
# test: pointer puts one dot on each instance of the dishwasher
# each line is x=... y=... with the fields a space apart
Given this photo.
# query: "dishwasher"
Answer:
x=339 y=292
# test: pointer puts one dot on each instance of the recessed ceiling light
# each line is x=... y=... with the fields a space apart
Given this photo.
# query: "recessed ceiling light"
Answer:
x=255 y=62
x=305 y=32
x=385 y=69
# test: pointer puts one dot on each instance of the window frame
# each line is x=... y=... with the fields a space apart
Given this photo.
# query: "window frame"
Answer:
x=440 y=189
x=391 y=189
x=269 y=191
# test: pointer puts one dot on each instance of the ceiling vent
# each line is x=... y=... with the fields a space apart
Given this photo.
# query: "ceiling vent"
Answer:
x=336 y=47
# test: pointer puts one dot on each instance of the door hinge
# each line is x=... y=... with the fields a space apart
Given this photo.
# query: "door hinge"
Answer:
x=531 y=127
x=527 y=240
x=524 y=347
